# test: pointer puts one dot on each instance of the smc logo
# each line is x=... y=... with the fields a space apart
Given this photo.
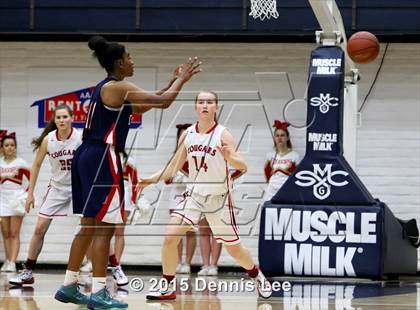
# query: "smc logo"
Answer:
x=324 y=101
x=320 y=179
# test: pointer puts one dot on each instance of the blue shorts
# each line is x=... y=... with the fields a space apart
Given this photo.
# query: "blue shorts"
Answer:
x=97 y=182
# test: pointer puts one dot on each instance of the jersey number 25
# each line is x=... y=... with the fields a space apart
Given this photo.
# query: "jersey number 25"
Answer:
x=65 y=164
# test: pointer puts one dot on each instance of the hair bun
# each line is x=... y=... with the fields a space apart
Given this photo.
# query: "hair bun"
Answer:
x=98 y=44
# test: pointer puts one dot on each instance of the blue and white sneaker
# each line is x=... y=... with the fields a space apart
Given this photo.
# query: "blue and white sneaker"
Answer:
x=103 y=300
x=71 y=293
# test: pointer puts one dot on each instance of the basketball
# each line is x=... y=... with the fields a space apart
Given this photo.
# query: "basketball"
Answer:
x=363 y=47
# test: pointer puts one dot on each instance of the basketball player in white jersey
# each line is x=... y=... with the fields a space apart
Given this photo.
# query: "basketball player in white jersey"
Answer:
x=281 y=162
x=209 y=149
x=59 y=141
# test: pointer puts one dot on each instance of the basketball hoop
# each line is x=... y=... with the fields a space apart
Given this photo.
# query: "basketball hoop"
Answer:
x=263 y=9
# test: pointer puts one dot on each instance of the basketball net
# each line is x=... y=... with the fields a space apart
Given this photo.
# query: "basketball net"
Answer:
x=263 y=9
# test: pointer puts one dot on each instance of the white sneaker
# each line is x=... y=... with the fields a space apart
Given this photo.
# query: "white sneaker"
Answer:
x=119 y=276
x=4 y=266
x=25 y=277
x=184 y=269
x=11 y=267
x=204 y=271
x=178 y=268
x=161 y=295
x=87 y=267
x=262 y=285
x=212 y=271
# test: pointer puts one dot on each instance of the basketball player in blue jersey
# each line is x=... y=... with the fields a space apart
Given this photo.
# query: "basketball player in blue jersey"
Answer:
x=97 y=179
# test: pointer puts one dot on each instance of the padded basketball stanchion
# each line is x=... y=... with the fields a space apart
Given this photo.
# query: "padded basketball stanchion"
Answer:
x=323 y=221
x=333 y=34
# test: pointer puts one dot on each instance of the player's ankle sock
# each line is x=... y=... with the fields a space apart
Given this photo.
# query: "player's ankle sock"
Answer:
x=30 y=264
x=113 y=261
x=70 y=277
x=98 y=283
x=168 y=278
x=253 y=272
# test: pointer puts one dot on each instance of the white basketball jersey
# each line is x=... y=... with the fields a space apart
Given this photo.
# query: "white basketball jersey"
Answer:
x=207 y=167
x=60 y=153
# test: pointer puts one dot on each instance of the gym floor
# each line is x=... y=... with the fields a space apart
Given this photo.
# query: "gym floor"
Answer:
x=197 y=293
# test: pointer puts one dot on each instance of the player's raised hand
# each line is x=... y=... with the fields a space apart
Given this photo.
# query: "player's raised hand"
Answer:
x=176 y=73
x=189 y=69
x=30 y=203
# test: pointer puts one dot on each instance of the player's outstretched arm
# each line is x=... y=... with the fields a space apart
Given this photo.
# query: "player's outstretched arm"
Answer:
x=36 y=167
x=229 y=152
x=143 y=101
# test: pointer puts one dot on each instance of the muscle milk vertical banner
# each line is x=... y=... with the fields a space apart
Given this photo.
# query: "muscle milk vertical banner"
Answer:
x=323 y=176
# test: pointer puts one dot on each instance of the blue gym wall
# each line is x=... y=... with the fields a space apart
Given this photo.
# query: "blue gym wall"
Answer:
x=198 y=16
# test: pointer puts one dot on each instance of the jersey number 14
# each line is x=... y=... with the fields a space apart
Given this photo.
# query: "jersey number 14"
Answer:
x=202 y=164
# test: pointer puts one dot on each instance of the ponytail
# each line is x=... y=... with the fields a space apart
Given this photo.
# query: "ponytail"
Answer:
x=106 y=52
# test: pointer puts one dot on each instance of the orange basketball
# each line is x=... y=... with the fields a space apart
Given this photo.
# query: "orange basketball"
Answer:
x=363 y=47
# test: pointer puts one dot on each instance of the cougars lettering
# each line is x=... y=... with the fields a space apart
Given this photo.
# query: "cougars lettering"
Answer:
x=62 y=153
x=202 y=148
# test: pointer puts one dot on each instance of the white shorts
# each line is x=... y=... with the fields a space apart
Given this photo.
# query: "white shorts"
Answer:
x=128 y=204
x=176 y=196
x=128 y=193
x=56 y=203
x=221 y=217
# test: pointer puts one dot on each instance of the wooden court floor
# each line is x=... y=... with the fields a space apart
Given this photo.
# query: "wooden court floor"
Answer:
x=207 y=293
